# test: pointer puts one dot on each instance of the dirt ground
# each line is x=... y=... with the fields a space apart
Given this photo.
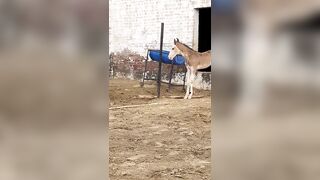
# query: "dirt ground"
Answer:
x=167 y=139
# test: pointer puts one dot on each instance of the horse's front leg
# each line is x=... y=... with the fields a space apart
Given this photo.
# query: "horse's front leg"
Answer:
x=187 y=83
x=187 y=92
x=191 y=80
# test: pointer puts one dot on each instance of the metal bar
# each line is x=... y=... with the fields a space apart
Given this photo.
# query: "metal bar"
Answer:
x=172 y=84
x=160 y=62
x=145 y=69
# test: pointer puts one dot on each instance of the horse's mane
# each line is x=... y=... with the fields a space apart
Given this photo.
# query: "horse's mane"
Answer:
x=187 y=46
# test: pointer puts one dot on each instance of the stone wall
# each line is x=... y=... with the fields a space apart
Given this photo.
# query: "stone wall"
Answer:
x=129 y=65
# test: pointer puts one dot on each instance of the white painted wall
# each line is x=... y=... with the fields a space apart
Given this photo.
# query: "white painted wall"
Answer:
x=136 y=24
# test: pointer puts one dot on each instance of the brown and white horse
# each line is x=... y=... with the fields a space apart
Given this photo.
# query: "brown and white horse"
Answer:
x=193 y=61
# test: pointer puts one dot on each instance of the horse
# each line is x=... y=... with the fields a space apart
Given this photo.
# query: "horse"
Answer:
x=193 y=60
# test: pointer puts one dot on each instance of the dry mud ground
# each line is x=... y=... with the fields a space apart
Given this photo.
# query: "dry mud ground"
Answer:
x=170 y=140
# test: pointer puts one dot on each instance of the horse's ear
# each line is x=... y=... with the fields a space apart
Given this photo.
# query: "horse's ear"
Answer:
x=174 y=41
x=177 y=40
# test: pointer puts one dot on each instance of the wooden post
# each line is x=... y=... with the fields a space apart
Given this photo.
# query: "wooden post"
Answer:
x=160 y=62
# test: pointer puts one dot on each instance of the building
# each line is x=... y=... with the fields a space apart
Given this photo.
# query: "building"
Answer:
x=136 y=24
x=134 y=27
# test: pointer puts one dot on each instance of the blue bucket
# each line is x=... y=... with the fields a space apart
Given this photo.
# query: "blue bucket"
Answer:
x=155 y=56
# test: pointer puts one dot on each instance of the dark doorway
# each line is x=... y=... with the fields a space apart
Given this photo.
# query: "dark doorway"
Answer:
x=204 y=33
x=305 y=35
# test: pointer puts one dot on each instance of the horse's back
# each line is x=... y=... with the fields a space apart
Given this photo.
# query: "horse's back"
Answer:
x=206 y=53
x=203 y=60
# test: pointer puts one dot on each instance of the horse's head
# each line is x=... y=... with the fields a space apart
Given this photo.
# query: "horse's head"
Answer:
x=175 y=50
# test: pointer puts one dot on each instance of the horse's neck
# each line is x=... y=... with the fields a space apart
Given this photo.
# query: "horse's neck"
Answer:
x=186 y=53
x=184 y=49
x=187 y=59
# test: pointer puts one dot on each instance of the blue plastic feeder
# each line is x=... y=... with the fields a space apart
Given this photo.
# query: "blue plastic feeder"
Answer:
x=155 y=56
